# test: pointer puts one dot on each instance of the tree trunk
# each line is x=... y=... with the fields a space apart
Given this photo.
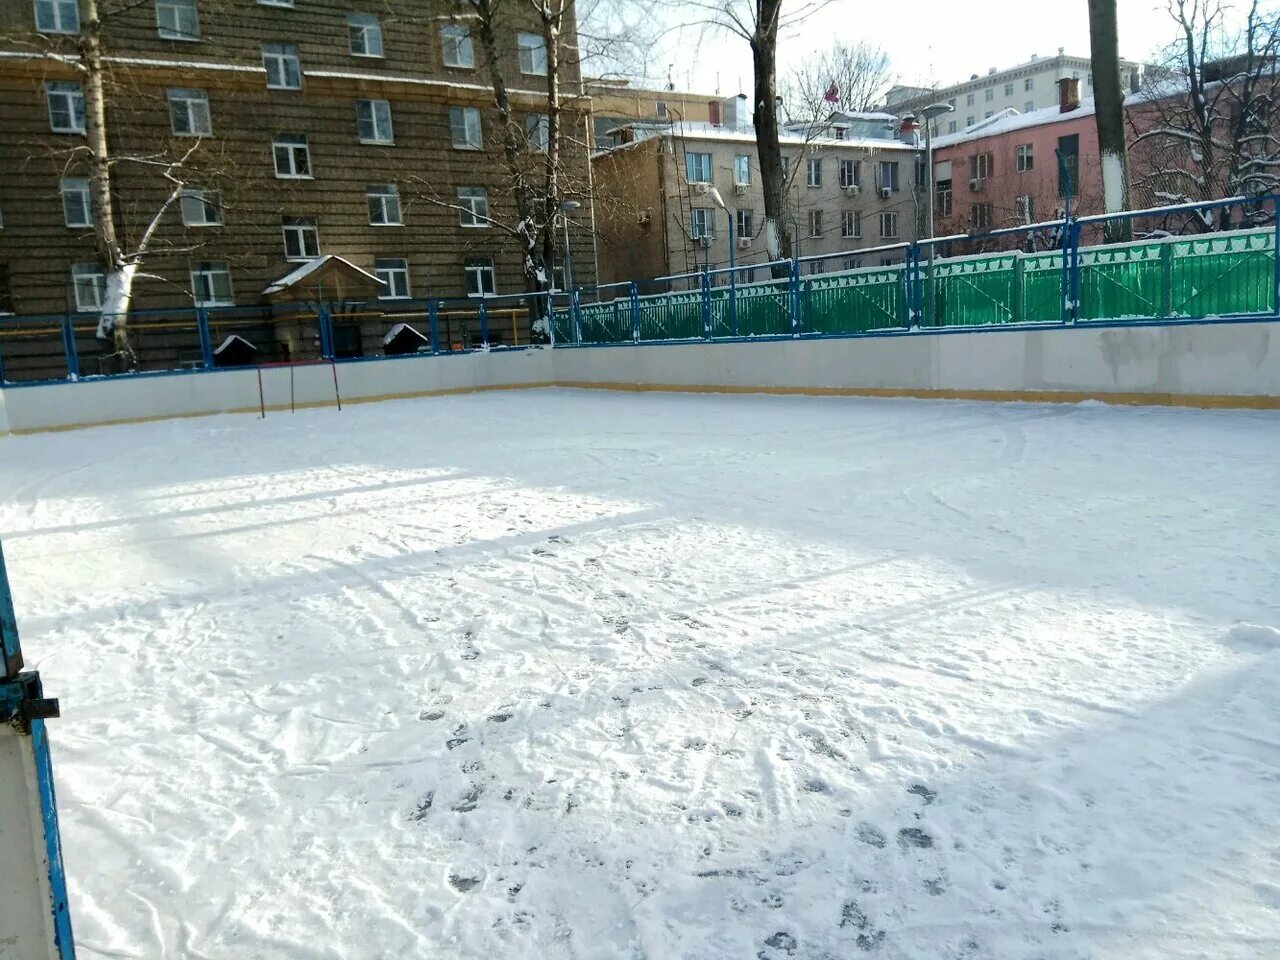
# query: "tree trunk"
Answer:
x=119 y=272
x=551 y=19
x=1108 y=95
x=764 y=51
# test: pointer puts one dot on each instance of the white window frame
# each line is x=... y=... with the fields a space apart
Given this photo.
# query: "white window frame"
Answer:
x=202 y=273
x=1026 y=157
x=474 y=207
x=537 y=132
x=989 y=95
x=968 y=99
x=175 y=9
x=532 y=48
x=815 y=224
x=1008 y=88
x=985 y=206
x=702 y=223
x=97 y=278
x=848 y=224
x=276 y=3
x=850 y=173
x=70 y=96
x=951 y=126
x=813 y=172
x=944 y=197
x=889 y=175
x=742 y=169
x=299 y=228
x=291 y=143
x=388 y=274
x=76 y=195
x=64 y=15
x=194 y=106
x=697 y=159
x=383 y=200
x=205 y=202
x=373 y=107
x=745 y=222
x=888 y=225
x=277 y=59
x=467 y=122
x=1028 y=84
x=981 y=166
x=456 y=39
x=365 y=30
x=480 y=267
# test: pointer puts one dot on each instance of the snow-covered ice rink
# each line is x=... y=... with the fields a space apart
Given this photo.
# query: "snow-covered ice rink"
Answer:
x=558 y=674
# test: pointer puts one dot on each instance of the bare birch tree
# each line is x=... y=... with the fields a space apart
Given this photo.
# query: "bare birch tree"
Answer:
x=856 y=74
x=1108 y=95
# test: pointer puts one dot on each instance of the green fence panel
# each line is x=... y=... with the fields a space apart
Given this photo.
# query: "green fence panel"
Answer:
x=1222 y=274
x=854 y=302
x=1041 y=288
x=970 y=292
x=671 y=316
x=763 y=310
x=605 y=322
x=1122 y=281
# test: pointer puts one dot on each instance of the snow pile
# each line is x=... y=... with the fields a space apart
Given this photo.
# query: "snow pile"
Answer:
x=556 y=674
x=1254 y=636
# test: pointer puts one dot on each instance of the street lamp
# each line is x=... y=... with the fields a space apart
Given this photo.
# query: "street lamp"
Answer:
x=567 y=208
x=930 y=113
x=718 y=200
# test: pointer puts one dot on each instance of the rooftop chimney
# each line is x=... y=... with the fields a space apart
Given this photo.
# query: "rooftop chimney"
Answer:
x=991 y=71
x=1068 y=94
x=908 y=131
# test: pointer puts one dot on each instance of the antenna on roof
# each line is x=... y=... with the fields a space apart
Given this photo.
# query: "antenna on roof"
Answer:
x=671 y=83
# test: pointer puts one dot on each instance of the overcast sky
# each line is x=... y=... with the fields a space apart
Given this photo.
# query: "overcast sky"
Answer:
x=929 y=41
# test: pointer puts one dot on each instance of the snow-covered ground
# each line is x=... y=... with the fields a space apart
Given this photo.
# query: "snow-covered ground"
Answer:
x=566 y=674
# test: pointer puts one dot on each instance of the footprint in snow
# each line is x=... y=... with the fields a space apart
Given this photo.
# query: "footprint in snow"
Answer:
x=914 y=837
x=871 y=835
x=923 y=792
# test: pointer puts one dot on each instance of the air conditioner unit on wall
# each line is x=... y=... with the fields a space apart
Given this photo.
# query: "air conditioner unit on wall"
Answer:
x=702 y=189
x=739 y=188
x=853 y=189
x=976 y=184
x=704 y=242
x=744 y=242
x=885 y=191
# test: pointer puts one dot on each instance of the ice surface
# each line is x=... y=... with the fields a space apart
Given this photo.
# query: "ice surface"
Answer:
x=575 y=674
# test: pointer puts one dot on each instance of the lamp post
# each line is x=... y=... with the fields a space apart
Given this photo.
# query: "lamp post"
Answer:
x=718 y=200
x=930 y=113
x=567 y=208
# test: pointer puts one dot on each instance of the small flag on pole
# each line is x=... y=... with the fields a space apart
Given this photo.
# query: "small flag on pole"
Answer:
x=833 y=93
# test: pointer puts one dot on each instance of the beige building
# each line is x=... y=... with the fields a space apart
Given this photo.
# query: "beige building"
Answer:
x=616 y=104
x=850 y=189
x=307 y=129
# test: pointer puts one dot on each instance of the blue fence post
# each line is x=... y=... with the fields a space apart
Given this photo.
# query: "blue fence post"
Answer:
x=704 y=283
x=733 y=302
x=575 y=316
x=484 y=325
x=433 y=325
x=326 y=332
x=634 y=296
x=69 y=347
x=1275 y=256
x=913 y=281
x=1074 y=293
x=793 y=288
x=202 y=330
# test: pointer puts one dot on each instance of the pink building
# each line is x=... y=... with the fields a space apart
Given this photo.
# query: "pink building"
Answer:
x=1003 y=171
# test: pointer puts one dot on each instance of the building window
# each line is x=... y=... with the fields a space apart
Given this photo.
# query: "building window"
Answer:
x=474 y=203
x=702 y=223
x=814 y=172
x=987 y=115
x=66 y=106
x=201 y=208
x=889 y=174
x=455 y=41
x=479 y=272
x=697 y=167
x=888 y=226
x=989 y=94
x=746 y=224
x=1029 y=83
x=942 y=193
x=1026 y=208
x=177 y=20
x=1025 y=158
x=211 y=283
x=464 y=127
x=301 y=238
x=88 y=283
x=850 y=173
x=189 y=112
x=373 y=121
x=1008 y=89
x=742 y=169
x=394 y=274
x=1028 y=106
x=1069 y=151
x=660 y=110
x=284 y=71
x=384 y=204
x=815 y=223
x=980 y=216
x=841 y=133
x=76 y=209
x=849 y=224
x=980 y=166
x=292 y=156
x=968 y=100
x=533 y=53
x=57 y=16
x=537 y=131
x=951 y=126
x=365 y=35
x=968 y=121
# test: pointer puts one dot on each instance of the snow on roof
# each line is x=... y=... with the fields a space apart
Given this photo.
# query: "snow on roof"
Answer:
x=308 y=268
x=705 y=131
x=1010 y=119
x=400 y=328
x=419 y=81
x=233 y=339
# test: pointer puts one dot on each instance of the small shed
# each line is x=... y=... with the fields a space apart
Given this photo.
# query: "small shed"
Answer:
x=327 y=277
x=235 y=351
x=402 y=339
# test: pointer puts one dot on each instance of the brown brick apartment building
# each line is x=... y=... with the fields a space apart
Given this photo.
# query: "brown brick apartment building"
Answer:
x=365 y=130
